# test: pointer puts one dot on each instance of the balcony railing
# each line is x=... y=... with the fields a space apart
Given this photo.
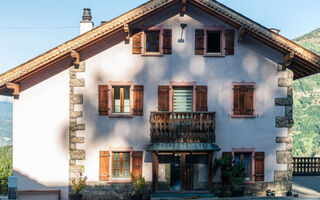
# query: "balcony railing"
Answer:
x=187 y=127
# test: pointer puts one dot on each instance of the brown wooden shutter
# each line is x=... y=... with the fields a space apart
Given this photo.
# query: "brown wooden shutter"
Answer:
x=199 y=41
x=138 y=100
x=249 y=107
x=137 y=163
x=229 y=41
x=236 y=100
x=136 y=41
x=259 y=166
x=103 y=100
x=104 y=157
x=163 y=97
x=202 y=98
x=167 y=41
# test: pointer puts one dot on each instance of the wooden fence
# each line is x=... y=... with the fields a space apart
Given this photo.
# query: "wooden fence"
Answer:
x=306 y=166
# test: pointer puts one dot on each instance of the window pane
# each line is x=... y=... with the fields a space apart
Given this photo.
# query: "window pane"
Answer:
x=247 y=164
x=182 y=99
x=244 y=159
x=152 y=41
x=126 y=99
x=213 y=42
x=116 y=96
x=197 y=172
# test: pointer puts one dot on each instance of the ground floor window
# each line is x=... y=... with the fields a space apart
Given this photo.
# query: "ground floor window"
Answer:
x=244 y=159
x=121 y=164
x=182 y=172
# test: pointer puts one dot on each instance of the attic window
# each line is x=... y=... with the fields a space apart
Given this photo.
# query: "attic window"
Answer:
x=213 y=42
x=152 y=41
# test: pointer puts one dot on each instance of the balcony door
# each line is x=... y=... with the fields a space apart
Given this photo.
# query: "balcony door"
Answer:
x=182 y=99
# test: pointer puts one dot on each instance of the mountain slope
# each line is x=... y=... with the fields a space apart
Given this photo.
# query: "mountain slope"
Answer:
x=306 y=107
x=5 y=123
x=310 y=41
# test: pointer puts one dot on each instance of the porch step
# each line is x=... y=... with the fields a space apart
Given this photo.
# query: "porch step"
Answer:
x=182 y=196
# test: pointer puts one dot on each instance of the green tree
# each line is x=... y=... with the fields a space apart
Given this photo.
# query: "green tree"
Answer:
x=5 y=168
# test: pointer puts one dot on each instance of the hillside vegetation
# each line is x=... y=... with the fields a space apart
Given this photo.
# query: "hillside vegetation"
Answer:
x=306 y=114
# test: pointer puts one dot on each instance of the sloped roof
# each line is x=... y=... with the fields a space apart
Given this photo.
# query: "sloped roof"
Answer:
x=305 y=62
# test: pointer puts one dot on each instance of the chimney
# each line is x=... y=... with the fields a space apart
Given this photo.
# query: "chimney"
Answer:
x=86 y=24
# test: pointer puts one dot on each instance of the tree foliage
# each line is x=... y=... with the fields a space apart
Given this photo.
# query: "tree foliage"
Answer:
x=5 y=167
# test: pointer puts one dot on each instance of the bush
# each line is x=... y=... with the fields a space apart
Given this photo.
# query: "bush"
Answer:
x=5 y=168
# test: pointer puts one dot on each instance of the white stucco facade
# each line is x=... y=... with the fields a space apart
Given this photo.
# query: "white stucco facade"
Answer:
x=41 y=114
x=40 y=133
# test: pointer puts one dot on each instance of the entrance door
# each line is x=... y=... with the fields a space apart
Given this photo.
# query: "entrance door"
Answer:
x=175 y=173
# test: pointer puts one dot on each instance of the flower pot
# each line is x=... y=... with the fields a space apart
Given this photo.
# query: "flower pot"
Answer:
x=237 y=191
x=137 y=196
x=75 y=196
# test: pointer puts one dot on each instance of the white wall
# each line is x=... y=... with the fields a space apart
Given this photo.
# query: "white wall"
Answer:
x=40 y=115
x=40 y=133
x=252 y=61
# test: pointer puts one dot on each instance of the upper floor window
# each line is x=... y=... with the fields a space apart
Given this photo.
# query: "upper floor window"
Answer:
x=151 y=41
x=243 y=104
x=182 y=97
x=214 y=41
x=120 y=99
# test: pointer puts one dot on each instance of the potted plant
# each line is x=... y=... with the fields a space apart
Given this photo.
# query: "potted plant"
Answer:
x=138 y=184
x=231 y=175
x=78 y=184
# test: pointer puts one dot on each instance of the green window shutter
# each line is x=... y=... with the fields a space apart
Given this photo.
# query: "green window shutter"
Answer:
x=182 y=99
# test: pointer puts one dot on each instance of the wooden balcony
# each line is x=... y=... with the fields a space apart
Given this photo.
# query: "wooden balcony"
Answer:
x=182 y=127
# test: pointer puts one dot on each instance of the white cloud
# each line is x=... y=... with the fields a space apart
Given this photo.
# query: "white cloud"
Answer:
x=5 y=98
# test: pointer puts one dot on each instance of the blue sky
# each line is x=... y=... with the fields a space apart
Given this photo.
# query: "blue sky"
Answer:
x=29 y=28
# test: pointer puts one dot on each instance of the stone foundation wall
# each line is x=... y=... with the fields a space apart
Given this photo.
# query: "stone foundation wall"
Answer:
x=114 y=191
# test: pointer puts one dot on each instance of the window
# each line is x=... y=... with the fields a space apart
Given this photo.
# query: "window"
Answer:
x=243 y=104
x=182 y=96
x=182 y=99
x=116 y=164
x=121 y=99
x=214 y=41
x=121 y=164
x=244 y=159
x=152 y=41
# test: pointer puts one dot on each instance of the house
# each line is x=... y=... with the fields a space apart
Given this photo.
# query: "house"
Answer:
x=160 y=91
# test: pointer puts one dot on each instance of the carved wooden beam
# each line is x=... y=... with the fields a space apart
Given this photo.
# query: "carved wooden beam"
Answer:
x=76 y=56
x=184 y=5
x=15 y=87
x=288 y=58
x=126 y=30
x=241 y=34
